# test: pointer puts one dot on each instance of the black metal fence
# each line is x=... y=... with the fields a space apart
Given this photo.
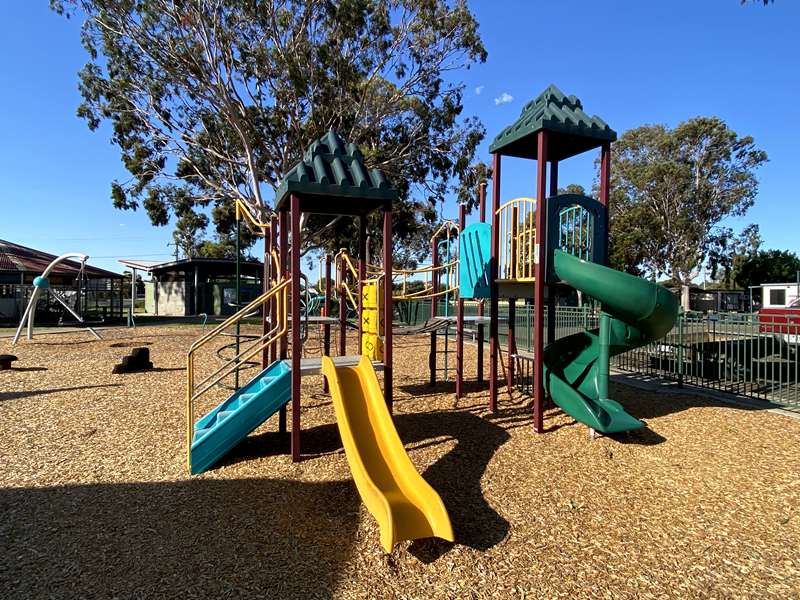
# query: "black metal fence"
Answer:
x=99 y=300
x=738 y=353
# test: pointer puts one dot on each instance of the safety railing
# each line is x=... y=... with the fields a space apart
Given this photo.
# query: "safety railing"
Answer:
x=516 y=259
x=194 y=390
x=256 y=226
x=402 y=280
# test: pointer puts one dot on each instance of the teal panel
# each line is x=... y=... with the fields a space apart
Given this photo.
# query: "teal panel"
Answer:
x=475 y=250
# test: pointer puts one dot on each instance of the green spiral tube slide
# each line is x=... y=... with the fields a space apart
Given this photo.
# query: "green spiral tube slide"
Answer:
x=635 y=312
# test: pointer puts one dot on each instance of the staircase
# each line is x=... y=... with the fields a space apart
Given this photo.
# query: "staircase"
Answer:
x=216 y=433
x=233 y=420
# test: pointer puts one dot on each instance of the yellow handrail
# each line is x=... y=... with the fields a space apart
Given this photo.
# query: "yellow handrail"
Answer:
x=242 y=210
x=280 y=293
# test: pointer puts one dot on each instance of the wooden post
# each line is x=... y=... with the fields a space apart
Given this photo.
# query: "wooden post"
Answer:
x=388 y=308
x=462 y=219
x=539 y=285
x=432 y=362
x=482 y=211
x=296 y=350
x=264 y=289
x=494 y=342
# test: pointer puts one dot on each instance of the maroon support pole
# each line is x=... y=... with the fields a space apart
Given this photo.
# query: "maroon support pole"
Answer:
x=342 y=308
x=362 y=275
x=283 y=249
x=273 y=243
x=388 y=308
x=482 y=211
x=266 y=312
x=326 y=328
x=462 y=219
x=493 y=317
x=539 y=285
x=512 y=303
x=432 y=362
x=605 y=180
x=551 y=296
x=296 y=352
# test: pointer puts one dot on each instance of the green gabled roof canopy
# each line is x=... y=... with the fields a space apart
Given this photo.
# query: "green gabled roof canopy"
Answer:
x=332 y=178
x=571 y=130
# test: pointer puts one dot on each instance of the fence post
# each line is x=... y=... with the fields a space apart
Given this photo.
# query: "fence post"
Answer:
x=680 y=348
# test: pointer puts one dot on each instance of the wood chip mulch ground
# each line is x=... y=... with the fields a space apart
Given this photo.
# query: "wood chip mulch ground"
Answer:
x=95 y=502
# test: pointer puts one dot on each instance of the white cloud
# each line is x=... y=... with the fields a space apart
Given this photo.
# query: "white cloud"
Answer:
x=479 y=89
x=503 y=98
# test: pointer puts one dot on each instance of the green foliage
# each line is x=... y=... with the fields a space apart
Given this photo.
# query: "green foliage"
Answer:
x=573 y=188
x=768 y=266
x=670 y=190
x=213 y=101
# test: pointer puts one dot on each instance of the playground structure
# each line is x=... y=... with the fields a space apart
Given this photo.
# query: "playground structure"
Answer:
x=531 y=250
x=41 y=283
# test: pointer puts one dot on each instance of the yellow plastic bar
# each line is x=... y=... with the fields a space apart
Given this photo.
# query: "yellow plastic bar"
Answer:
x=243 y=211
x=404 y=504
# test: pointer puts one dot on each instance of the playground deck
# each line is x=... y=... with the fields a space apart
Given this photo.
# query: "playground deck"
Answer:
x=95 y=500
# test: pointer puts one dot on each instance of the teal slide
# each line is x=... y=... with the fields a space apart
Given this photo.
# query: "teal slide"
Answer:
x=634 y=313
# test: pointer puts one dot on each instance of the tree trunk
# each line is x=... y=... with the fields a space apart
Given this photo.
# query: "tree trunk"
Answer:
x=685 y=296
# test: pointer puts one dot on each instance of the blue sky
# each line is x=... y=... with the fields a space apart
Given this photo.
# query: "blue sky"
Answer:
x=630 y=62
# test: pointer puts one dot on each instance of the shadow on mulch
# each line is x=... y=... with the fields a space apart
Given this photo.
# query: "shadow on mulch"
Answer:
x=129 y=344
x=677 y=400
x=456 y=476
x=26 y=369
x=31 y=393
x=200 y=538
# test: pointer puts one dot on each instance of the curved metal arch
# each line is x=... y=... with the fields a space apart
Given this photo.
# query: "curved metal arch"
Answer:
x=30 y=309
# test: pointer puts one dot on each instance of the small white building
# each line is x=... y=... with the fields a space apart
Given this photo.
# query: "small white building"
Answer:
x=780 y=295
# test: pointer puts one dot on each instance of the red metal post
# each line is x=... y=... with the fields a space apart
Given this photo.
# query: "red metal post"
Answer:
x=551 y=296
x=266 y=314
x=494 y=342
x=296 y=351
x=432 y=362
x=605 y=182
x=462 y=219
x=482 y=211
x=283 y=249
x=512 y=303
x=273 y=242
x=539 y=285
x=342 y=308
x=326 y=328
x=388 y=308
x=362 y=275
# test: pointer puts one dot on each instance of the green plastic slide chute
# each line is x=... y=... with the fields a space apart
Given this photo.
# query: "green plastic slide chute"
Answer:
x=634 y=313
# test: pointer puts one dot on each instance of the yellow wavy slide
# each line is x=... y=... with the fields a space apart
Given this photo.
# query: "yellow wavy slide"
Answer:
x=402 y=502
